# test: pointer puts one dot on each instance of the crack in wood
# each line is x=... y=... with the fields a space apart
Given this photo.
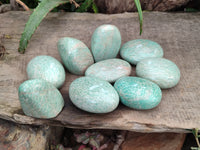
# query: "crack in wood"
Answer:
x=2 y=48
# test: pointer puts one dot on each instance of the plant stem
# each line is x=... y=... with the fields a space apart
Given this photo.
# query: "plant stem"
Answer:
x=197 y=140
x=23 y=5
x=138 y=5
x=196 y=136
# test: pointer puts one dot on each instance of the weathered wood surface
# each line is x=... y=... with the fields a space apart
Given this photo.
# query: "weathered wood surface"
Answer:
x=153 y=141
x=25 y=137
x=177 y=33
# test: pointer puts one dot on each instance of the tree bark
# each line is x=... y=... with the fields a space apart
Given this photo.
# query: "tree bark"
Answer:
x=119 y=6
x=14 y=5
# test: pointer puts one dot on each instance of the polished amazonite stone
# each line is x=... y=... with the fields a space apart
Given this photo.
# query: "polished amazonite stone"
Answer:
x=109 y=70
x=138 y=93
x=40 y=99
x=93 y=95
x=75 y=55
x=47 y=68
x=106 y=42
x=139 y=49
x=163 y=72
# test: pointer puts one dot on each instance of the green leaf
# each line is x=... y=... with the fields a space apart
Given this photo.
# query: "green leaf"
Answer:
x=83 y=137
x=94 y=7
x=137 y=3
x=191 y=10
x=195 y=132
x=36 y=17
x=195 y=148
x=85 y=6
x=94 y=143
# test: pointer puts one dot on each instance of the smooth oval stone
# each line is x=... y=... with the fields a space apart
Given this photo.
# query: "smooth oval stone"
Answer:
x=40 y=99
x=47 y=68
x=106 y=42
x=109 y=70
x=163 y=72
x=138 y=93
x=137 y=50
x=93 y=95
x=75 y=55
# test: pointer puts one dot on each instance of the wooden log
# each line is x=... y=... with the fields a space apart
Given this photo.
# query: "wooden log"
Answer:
x=119 y=6
x=153 y=141
x=177 y=33
x=25 y=137
x=14 y=5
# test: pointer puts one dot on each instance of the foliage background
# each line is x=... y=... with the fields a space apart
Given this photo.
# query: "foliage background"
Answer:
x=193 y=5
x=86 y=5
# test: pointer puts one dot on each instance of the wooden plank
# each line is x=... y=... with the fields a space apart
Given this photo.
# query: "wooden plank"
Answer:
x=26 y=137
x=153 y=141
x=178 y=34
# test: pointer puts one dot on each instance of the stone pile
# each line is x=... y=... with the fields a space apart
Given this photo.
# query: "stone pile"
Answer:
x=107 y=82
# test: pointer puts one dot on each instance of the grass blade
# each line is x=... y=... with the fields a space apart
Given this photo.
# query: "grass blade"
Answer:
x=94 y=7
x=137 y=3
x=36 y=17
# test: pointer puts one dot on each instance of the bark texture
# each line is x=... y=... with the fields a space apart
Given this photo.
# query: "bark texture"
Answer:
x=119 y=6
x=153 y=141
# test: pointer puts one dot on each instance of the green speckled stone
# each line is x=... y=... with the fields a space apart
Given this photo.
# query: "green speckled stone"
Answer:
x=47 y=68
x=109 y=70
x=93 y=95
x=40 y=99
x=75 y=55
x=106 y=42
x=163 y=72
x=138 y=93
x=136 y=50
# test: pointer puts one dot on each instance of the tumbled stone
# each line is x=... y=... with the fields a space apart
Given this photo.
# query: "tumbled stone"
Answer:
x=40 y=99
x=47 y=68
x=163 y=72
x=93 y=95
x=138 y=93
x=109 y=70
x=139 y=49
x=75 y=55
x=106 y=42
